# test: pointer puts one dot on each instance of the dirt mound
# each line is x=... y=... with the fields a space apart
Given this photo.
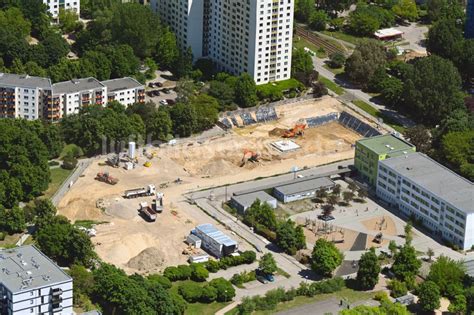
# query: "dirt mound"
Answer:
x=149 y=259
x=277 y=132
x=217 y=167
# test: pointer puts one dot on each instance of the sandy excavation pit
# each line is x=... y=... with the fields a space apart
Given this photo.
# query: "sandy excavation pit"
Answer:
x=215 y=161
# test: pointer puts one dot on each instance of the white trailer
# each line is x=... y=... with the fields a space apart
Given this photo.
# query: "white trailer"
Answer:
x=159 y=202
x=198 y=259
x=140 y=192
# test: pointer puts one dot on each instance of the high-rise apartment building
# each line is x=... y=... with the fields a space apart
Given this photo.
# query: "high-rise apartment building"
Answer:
x=30 y=283
x=253 y=36
x=55 y=5
x=470 y=19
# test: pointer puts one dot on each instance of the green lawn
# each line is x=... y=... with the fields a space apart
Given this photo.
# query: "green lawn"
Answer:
x=302 y=43
x=334 y=70
x=331 y=85
x=376 y=113
x=350 y=295
x=88 y=223
x=10 y=240
x=58 y=176
x=344 y=37
x=204 y=309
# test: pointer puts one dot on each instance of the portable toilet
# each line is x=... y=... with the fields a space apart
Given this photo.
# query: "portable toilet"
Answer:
x=131 y=149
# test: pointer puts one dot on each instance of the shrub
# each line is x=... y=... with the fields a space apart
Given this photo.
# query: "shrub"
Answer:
x=2 y=236
x=190 y=291
x=69 y=163
x=249 y=256
x=243 y=277
x=247 y=306
x=225 y=290
x=381 y=296
x=199 y=272
x=181 y=272
x=337 y=60
x=209 y=294
x=397 y=288
x=161 y=280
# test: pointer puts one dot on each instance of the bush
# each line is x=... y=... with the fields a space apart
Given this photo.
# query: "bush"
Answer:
x=69 y=163
x=328 y=286
x=190 y=291
x=225 y=290
x=337 y=60
x=199 y=272
x=249 y=256
x=212 y=266
x=397 y=288
x=161 y=280
x=243 y=277
x=246 y=257
x=181 y=272
x=2 y=236
x=209 y=294
x=381 y=296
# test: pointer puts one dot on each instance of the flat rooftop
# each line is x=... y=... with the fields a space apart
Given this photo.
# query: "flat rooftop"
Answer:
x=216 y=235
x=305 y=185
x=77 y=85
x=122 y=84
x=248 y=199
x=26 y=81
x=25 y=268
x=388 y=32
x=435 y=178
x=385 y=144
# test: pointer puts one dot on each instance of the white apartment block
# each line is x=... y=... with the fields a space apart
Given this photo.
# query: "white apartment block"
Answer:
x=55 y=5
x=23 y=96
x=126 y=91
x=70 y=96
x=253 y=36
x=418 y=186
x=30 y=283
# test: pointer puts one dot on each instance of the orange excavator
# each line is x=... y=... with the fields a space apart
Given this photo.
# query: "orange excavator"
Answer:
x=297 y=130
x=106 y=178
x=249 y=156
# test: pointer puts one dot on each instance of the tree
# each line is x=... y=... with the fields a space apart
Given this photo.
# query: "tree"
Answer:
x=444 y=9
x=68 y=20
x=369 y=269
x=391 y=90
x=385 y=308
x=225 y=290
x=367 y=57
x=64 y=243
x=166 y=49
x=302 y=67
x=433 y=90
x=224 y=94
x=458 y=304
x=260 y=213
x=190 y=291
x=267 y=264
x=392 y=247
x=183 y=66
x=428 y=296
x=334 y=6
x=318 y=20
x=336 y=190
x=100 y=62
x=457 y=148
x=362 y=24
x=303 y=9
x=362 y=193
x=207 y=111
x=406 y=265
x=443 y=38
x=55 y=47
x=44 y=211
x=337 y=60
x=325 y=257
x=83 y=281
x=420 y=137
x=184 y=119
x=332 y=199
x=430 y=253
x=290 y=238
x=448 y=275
x=12 y=220
x=408 y=229
x=184 y=89
x=245 y=91
x=347 y=196
x=406 y=9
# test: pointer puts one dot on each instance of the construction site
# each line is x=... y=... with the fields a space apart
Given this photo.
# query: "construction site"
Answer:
x=141 y=196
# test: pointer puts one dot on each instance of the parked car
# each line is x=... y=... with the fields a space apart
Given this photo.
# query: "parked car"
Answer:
x=166 y=91
x=157 y=93
x=163 y=102
x=151 y=84
x=267 y=276
x=150 y=93
x=262 y=279
x=158 y=84
x=170 y=101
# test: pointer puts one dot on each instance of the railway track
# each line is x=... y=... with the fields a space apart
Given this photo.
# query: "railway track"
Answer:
x=318 y=41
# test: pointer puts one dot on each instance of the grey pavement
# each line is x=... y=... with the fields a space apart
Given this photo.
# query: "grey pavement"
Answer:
x=414 y=35
x=66 y=185
x=329 y=306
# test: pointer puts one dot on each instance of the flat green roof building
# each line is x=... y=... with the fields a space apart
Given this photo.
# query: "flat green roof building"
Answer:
x=370 y=151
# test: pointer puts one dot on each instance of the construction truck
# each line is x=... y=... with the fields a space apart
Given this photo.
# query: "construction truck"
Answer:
x=158 y=202
x=147 y=212
x=249 y=156
x=106 y=178
x=140 y=192
x=297 y=130
x=113 y=160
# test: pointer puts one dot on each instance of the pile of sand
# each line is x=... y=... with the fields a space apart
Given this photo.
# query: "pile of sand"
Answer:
x=217 y=167
x=149 y=260
x=383 y=224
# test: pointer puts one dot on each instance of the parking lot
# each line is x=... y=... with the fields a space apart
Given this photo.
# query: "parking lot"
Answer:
x=161 y=89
